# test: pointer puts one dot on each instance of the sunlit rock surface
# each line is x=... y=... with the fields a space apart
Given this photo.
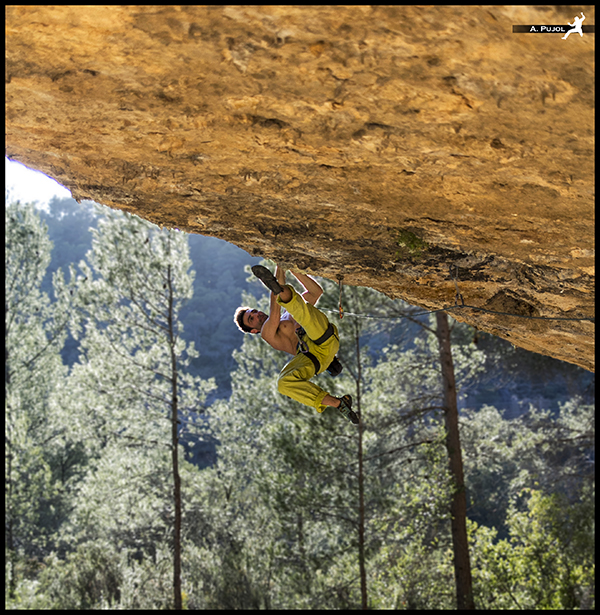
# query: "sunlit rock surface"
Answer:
x=381 y=144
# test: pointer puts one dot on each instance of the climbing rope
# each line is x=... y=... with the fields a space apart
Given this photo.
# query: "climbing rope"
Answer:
x=457 y=298
x=472 y=307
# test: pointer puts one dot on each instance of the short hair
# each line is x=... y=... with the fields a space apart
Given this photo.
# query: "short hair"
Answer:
x=239 y=319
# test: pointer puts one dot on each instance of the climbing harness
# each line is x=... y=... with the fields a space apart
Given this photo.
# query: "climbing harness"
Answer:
x=335 y=367
x=300 y=332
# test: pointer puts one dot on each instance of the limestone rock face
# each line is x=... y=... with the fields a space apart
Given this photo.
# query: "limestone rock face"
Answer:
x=381 y=144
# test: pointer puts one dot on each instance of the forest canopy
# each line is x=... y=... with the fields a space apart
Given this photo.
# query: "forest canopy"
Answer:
x=150 y=462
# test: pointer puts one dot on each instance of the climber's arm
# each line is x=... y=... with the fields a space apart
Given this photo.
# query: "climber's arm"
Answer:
x=270 y=328
x=313 y=289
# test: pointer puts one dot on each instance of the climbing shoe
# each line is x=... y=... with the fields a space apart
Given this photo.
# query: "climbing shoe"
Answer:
x=267 y=278
x=346 y=409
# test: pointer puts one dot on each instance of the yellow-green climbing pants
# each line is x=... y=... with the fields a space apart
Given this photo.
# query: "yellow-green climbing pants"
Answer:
x=294 y=379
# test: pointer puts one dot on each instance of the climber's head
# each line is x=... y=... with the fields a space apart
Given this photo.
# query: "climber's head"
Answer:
x=249 y=320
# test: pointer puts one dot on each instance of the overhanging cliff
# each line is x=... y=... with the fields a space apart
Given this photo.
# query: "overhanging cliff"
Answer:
x=381 y=144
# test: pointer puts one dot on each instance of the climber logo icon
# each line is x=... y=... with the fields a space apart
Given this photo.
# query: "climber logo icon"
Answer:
x=576 y=26
x=577 y=22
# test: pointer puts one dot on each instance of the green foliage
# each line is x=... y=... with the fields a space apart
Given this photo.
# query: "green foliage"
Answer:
x=37 y=458
x=416 y=575
x=411 y=246
x=546 y=563
x=275 y=522
x=533 y=451
x=131 y=293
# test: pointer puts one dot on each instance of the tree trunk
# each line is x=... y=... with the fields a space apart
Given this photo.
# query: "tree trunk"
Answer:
x=361 y=483
x=8 y=476
x=462 y=564
x=177 y=501
x=174 y=457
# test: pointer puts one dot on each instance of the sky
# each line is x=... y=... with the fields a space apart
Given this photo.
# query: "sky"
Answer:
x=26 y=185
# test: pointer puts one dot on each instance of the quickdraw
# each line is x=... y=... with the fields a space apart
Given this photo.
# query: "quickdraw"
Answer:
x=458 y=297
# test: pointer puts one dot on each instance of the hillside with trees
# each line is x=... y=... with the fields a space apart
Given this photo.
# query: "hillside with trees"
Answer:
x=109 y=506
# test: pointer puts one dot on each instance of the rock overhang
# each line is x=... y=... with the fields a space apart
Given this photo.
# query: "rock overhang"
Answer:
x=390 y=146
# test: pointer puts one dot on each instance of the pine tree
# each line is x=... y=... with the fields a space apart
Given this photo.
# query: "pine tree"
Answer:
x=35 y=330
x=132 y=372
x=458 y=507
x=417 y=391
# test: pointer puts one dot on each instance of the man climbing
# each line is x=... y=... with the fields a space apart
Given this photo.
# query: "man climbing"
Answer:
x=302 y=331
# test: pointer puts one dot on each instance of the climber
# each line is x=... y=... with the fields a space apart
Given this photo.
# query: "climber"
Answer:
x=303 y=331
